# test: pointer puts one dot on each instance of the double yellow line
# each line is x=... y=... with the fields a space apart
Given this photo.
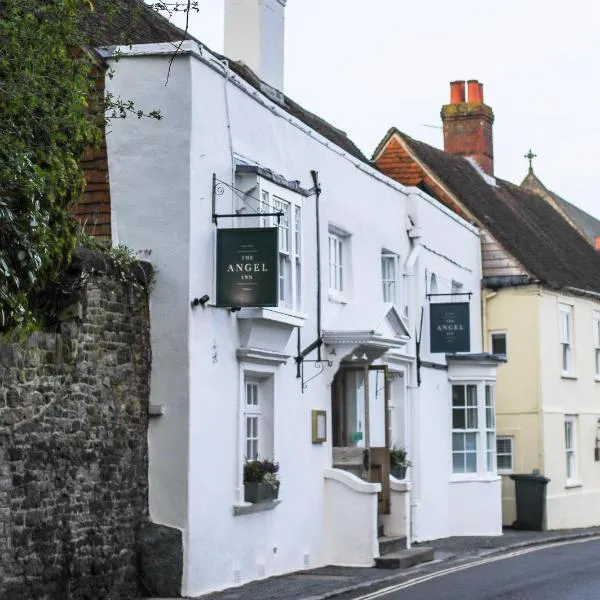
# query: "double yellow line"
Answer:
x=477 y=563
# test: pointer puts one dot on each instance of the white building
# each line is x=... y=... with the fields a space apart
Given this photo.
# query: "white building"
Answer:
x=225 y=383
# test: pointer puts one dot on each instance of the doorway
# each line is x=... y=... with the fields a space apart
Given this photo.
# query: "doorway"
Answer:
x=360 y=427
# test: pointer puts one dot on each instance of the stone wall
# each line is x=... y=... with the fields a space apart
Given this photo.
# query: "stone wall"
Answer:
x=73 y=449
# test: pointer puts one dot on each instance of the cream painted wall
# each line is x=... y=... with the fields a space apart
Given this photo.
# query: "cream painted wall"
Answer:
x=515 y=311
x=570 y=503
x=533 y=398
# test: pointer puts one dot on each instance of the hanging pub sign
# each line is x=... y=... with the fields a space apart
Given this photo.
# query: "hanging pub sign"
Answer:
x=247 y=267
x=449 y=327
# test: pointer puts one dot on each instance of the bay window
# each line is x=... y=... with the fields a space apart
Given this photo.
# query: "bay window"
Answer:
x=473 y=429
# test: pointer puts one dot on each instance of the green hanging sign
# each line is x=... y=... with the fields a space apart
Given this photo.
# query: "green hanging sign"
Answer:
x=449 y=327
x=247 y=267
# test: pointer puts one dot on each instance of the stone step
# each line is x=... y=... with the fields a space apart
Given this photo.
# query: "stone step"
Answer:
x=404 y=559
x=391 y=544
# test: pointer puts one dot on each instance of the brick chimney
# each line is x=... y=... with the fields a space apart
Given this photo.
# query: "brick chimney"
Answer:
x=254 y=35
x=468 y=124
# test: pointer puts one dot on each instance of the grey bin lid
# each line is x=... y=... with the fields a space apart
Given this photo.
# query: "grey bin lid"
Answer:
x=529 y=477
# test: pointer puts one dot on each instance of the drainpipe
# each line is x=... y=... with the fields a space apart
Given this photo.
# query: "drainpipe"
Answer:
x=484 y=319
x=317 y=188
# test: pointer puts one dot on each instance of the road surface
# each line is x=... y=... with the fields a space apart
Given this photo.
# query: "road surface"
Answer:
x=567 y=571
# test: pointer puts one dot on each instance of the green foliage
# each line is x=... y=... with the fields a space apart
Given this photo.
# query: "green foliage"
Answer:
x=47 y=107
x=398 y=456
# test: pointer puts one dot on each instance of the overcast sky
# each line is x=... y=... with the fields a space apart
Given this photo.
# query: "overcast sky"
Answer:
x=367 y=65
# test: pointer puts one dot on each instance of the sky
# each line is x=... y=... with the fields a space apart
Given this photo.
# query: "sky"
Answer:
x=365 y=66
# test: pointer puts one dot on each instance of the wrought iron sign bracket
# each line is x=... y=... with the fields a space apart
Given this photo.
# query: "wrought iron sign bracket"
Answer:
x=430 y=296
x=218 y=189
x=319 y=363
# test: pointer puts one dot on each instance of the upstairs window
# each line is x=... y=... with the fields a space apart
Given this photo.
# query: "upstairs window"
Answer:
x=336 y=263
x=389 y=269
x=498 y=342
x=290 y=240
x=565 y=313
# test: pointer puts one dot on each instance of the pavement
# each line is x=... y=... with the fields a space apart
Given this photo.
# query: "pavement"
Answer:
x=338 y=582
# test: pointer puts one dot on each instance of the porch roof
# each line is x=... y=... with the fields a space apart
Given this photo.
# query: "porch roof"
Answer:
x=375 y=324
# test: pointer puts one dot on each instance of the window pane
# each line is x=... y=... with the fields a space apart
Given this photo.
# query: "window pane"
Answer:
x=471 y=441
x=472 y=395
x=458 y=395
x=458 y=441
x=498 y=343
x=471 y=459
x=472 y=418
x=458 y=463
x=458 y=418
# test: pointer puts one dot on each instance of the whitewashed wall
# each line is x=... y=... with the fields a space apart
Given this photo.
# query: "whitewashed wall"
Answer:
x=161 y=180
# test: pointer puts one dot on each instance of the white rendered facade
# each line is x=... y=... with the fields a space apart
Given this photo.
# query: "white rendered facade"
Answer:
x=209 y=364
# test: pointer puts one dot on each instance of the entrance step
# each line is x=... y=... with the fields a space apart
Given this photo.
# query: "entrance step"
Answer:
x=403 y=559
x=391 y=544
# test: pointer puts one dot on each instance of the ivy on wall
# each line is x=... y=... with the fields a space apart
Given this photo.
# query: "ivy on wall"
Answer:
x=47 y=102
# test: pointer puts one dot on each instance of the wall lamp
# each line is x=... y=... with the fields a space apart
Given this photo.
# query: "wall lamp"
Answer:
x=202 y=300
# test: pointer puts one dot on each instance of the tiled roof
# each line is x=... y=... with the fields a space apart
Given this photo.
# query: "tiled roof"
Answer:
x=525 y=224
x=121 y=22
x=587 y=225
x=132 y=22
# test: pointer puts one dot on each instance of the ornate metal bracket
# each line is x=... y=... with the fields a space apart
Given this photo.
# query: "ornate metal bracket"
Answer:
x=218 y=189
x=318 y=364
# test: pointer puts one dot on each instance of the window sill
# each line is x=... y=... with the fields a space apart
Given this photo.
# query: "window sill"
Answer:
x=573 y=484
x=597 y=378
x=568 y=376
x=248 y=508
x=505 y=471
x=474 y=478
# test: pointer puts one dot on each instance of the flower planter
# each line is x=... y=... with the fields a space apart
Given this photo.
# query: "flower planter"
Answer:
x=260 y=492
x=398 y=472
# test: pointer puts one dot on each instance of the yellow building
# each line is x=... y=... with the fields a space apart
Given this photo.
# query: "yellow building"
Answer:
x=548 y=397
x=540 y=306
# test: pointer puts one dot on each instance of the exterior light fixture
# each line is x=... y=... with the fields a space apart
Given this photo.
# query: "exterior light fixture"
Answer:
x=202 y=300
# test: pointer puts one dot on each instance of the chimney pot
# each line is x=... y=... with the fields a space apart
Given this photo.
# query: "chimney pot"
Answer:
x=473 y=89
x=457 y=92
x=468 y=125
x=598 y=242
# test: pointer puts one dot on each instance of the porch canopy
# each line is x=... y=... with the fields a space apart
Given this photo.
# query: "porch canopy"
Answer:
x=367 y=330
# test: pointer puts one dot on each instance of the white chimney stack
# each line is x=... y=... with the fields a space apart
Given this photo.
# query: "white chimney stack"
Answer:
x=254 y=34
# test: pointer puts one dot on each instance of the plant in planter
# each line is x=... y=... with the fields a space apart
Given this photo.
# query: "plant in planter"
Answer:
x=260 y=480
x=398 y=461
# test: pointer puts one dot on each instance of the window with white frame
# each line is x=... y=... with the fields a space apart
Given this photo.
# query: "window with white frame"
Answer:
x=337 y=263
x=257 y=429
x=473 y=429
x=498 y=342
x=596 y=334
x=274 y=199
x=565 y=314
x=571 y=447
x=252 y=419
x=505 y=449
x=490 y=428
x=389 y=271
x=465 y=428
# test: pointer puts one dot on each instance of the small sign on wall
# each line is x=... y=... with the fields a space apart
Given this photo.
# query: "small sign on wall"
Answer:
x=449 y=327
x=319 y=426
x=247 y=267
